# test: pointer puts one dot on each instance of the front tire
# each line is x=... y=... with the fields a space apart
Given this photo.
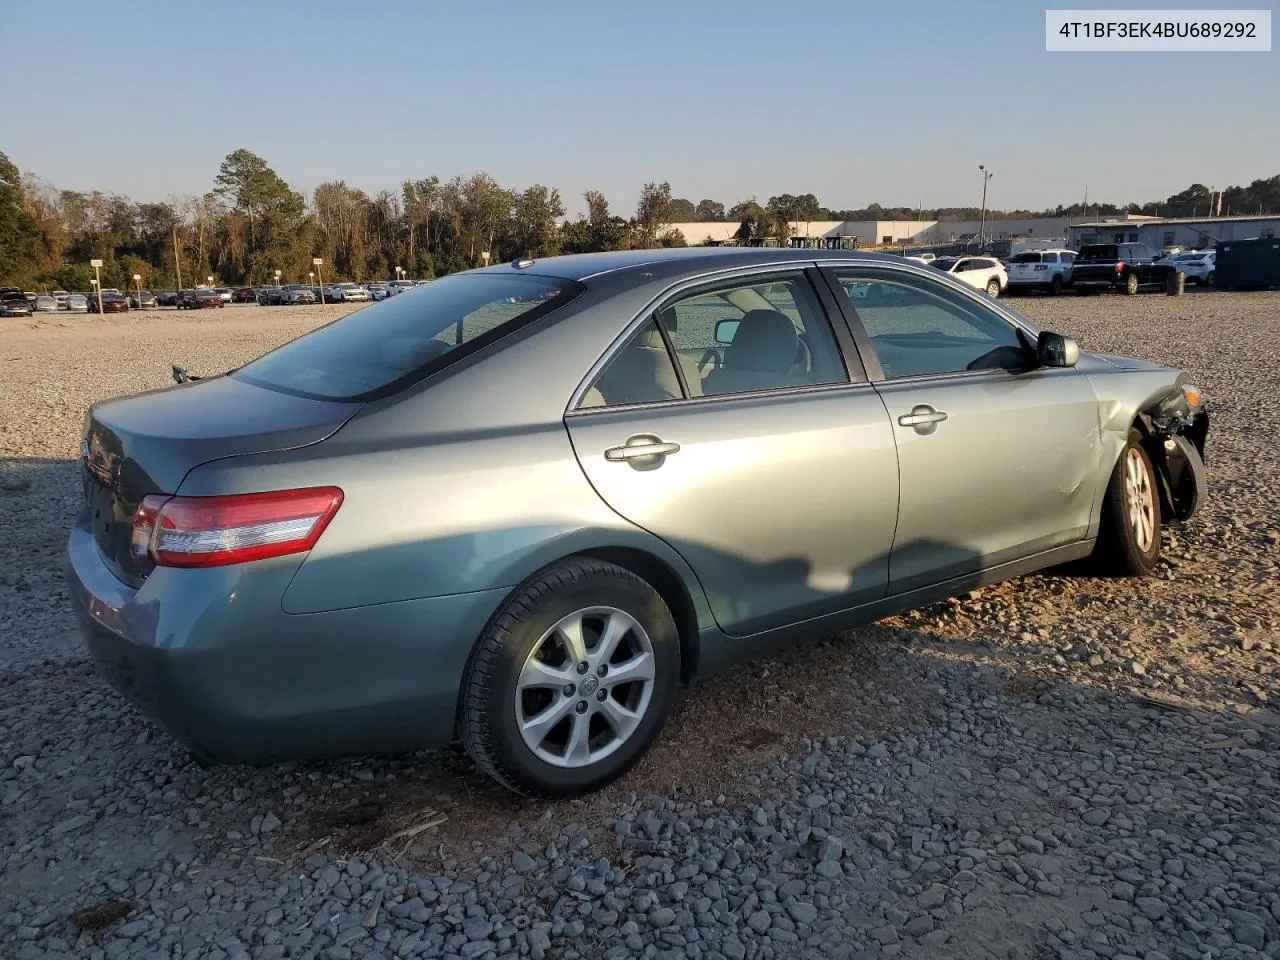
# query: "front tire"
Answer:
x=1129 y=535
x=571 y=681
x=1055 y=286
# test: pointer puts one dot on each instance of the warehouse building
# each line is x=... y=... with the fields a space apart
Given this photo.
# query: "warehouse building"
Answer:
x=1165 y=232
x=836 y=234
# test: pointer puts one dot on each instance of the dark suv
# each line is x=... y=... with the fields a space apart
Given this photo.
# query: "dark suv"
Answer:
x=1118 y=266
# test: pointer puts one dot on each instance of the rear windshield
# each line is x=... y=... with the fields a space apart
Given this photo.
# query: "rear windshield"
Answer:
x=396 y=342
x=1099 y=251
x=1026 y=258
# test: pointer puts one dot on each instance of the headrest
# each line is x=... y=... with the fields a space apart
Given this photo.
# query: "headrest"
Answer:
x=766 y=340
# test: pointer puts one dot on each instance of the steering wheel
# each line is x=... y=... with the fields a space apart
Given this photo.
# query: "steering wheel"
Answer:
x=711 y=355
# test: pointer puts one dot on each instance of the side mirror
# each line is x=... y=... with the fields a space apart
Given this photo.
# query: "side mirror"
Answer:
x=1055 y=350
x=726 y=330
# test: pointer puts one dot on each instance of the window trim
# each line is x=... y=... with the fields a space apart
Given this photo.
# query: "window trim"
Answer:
x=850 y=359
x=866 y=347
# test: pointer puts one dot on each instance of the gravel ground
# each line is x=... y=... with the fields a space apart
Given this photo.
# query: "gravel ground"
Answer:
x=1054 y=767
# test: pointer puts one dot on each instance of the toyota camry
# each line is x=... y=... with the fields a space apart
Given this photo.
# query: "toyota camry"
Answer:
x=520 y=506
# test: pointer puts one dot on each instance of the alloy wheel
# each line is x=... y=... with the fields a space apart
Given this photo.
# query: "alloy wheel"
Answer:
x=585 y=686
x=1139 y=500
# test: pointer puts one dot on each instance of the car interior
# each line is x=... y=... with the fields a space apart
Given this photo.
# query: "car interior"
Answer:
x=757 y=337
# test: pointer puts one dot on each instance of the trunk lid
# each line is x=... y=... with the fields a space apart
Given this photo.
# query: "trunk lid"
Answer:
x=148 y=443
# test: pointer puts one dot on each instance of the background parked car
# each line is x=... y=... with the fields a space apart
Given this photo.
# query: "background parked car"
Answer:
x=61 y=296
x=294 y=293
x=113 y=301
x=45 y=304
x=270 y=296
x=244 y=295
x=224 y=293
x=1198 y=265
x=1118 y=266
x=76 y=303
x=14 y=303
x=399 y=286
x=144 y=299
x=167 y=298
x=1046 y=270
x=985 y=273
x=377 y=291
x=347 y=293
x=199 y=299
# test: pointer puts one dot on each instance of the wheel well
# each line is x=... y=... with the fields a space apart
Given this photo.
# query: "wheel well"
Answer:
x=669 y=586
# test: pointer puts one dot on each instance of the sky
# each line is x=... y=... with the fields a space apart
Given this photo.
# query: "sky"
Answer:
x=852 y=101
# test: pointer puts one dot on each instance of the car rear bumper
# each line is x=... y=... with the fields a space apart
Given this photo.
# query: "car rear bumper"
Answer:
x=211 y=656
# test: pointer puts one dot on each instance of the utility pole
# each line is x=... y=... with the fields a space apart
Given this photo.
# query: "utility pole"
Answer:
x=177 y=262
x=982 y=227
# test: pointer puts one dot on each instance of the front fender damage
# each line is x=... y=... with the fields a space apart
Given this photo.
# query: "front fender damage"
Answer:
x=1176 y=436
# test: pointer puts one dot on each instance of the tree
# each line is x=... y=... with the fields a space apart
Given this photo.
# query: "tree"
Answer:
x=22 y=250
x=681 y=211
x=652 y=212
x=790 y=208
x=246 y=184
x=534 y=223
x=709 y=210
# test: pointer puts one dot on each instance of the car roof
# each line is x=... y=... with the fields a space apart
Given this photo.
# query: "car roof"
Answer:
x=583 y=266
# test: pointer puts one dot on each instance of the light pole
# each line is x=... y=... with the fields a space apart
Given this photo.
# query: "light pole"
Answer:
x=317 y=262
x=399 y=273
x=97 y=286
x=137 y=280
x=982 y=227
x=277 y=278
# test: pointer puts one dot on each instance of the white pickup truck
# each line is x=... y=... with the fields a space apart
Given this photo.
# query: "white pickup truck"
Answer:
x=1048 y=270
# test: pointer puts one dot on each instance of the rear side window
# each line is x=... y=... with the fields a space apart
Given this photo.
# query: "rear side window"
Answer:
x=1049 y=258
x=1099 y=251
x=390 y=345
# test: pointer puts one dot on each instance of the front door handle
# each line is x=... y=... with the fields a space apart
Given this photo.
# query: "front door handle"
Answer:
x=642 y=445
x=922 y=415
x=642 y=450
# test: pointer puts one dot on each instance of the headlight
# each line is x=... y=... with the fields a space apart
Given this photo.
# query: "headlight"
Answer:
x=1193 y=395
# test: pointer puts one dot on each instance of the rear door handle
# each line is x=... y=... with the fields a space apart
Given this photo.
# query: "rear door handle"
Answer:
x=641 y=446
x=922 y=415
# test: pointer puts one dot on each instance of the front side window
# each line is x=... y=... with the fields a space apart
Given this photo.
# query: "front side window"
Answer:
x=398 y=341
x=925 y=329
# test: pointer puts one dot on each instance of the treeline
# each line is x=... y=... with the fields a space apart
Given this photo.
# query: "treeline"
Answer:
x=252 y=223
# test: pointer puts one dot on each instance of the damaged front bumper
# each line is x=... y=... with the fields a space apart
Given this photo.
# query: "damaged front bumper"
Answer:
x=1178 y=429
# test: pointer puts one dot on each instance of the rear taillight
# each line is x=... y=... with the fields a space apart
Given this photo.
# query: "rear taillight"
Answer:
x=216 y=531
x=1119 y=267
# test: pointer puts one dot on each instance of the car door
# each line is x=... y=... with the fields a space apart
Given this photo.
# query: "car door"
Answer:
x=997 y=461
x=772 y=470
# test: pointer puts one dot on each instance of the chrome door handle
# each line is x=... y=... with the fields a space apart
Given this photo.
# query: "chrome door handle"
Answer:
x=638 y=447
x=922 y=415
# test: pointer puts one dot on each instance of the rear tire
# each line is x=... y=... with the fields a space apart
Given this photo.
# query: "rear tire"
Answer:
x=993 y=289
x=1055 y=286
x=1131 y=284
x=543 y=710
x=1208 y=279
x=1129 y=536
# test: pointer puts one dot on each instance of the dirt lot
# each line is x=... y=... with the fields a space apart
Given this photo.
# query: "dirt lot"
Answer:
x=1058 y=766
